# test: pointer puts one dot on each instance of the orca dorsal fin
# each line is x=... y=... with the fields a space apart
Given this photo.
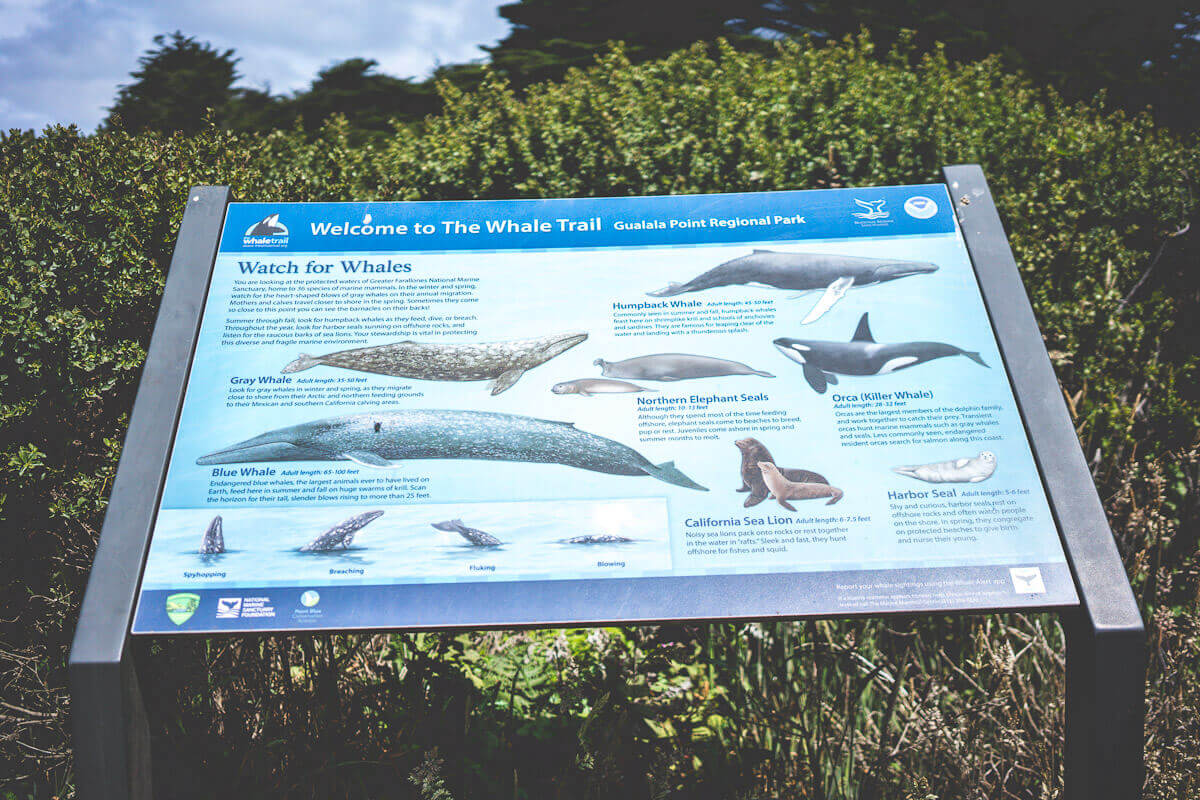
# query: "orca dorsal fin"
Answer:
x=863 y=332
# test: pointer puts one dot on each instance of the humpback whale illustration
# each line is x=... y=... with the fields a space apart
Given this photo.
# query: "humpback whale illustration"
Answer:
x=475 y=536
x=213 y=542
x=805 y=272
x=503 y=362
x=377 y=439
x=862 y=355
x=341 y=535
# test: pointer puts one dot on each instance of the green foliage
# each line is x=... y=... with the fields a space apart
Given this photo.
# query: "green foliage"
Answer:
x=1097 y=206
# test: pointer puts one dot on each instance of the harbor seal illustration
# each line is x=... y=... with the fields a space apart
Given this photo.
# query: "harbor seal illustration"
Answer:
x=341 y=535
x=833 y=274
x=590 y=386
x=823 y=361
x=784 y=490
x=753 y=451
x=960 y=470
x=674 y=367
x=597 y=538
x=377 y=439
x=503 y=362
x=213 y=542
x=473 y=535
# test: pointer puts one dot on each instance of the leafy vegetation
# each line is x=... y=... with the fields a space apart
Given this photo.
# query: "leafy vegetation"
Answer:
x=1100 y=209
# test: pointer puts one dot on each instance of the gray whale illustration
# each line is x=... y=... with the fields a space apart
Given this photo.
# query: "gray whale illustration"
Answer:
x=475 y=536
x=804 y=272
x=213 y=542
x=341 y=535
x=674 y=367
x=862 y=355
x=505 y=362
x=377 y=439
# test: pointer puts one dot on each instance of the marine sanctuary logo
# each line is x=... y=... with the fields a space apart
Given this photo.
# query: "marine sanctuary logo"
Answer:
x=267 y=232
x=229 y=607
x=920 y=207
x=872 y=209
x=181 y=606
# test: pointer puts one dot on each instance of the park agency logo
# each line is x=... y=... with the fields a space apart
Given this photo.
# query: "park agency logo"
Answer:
x=920 y=207
x=181 y=606
x=267 y=232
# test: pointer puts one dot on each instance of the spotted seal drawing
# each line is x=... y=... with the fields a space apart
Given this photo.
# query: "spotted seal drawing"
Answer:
x=753 y=451
x=475 y=536
x=960 y=470
x=862 y=355
x=341 y=535
x=213 y=542
x=598 y=538
x=590 y=386
x=833 y=274
x=504 y=362
x=377 y=439
x=674 y=367
x=783 y=489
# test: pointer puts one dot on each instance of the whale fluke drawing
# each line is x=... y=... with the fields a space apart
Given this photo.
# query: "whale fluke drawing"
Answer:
x=475 y=536
x=834 y=275
x=341 y=535
x=823 y=361
x=214 y=539
x=960 y=470
x=502 y=362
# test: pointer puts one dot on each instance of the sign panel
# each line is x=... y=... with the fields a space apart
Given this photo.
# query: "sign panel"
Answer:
x=596 y=410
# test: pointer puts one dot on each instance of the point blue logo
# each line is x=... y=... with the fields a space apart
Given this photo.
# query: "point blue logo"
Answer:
x=309 y=599
x=920 y=207
x=267 y=232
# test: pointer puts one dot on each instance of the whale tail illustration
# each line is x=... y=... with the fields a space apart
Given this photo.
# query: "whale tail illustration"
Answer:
x=668 y=473
x=670 y=290
x=975 y=357
x=305 y=361
x=836 y=494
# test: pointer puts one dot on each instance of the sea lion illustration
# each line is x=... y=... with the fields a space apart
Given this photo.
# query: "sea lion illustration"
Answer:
x=754 y=451
x=960 y=470
x=823 y=361
x=784 y=490
x=590 y=386
x=473 y=535
x=213 y=542
x=833 y=274
x=377 y=439
x=674 y=367
x=504 y=362
x=341 y=535
x=597 y=538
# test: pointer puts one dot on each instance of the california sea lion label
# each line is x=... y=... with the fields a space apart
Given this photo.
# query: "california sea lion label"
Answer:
x=595 y=410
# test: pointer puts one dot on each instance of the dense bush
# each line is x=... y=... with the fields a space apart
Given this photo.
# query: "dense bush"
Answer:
x=1098 y=208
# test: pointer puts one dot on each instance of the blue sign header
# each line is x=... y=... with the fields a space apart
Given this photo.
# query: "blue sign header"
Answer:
x=586 y=222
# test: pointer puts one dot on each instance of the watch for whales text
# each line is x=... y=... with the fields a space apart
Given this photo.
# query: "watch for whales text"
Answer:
x=407 y=415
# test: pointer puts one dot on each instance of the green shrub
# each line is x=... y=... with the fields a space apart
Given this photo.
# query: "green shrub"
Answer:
x=1090 y=199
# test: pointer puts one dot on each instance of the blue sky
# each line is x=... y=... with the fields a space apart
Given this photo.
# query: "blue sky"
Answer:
x=62 y=60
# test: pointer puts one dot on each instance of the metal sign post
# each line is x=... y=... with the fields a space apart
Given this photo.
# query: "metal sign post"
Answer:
x=1105 y=634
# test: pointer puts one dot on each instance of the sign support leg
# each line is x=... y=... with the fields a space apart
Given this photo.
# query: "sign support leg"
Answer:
x=111 y=735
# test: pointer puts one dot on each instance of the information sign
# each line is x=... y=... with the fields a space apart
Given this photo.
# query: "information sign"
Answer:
x=596 y=410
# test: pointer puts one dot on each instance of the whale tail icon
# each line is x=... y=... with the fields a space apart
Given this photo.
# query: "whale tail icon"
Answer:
x=975 y=357
x=670 y=290
x=668 y=473
x=305 y=361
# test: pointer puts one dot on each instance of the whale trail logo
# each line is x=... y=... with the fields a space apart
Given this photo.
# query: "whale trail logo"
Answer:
x=872 y=209
x=267 y=232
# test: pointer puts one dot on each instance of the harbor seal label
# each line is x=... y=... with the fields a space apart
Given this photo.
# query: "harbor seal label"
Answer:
x=960 y=470
x=674 y=367
x=753 y=451
x=475 y=536
x=785 y=490
x=341 y=535
x=590 y=386
x=213 y=542
x=504 y=362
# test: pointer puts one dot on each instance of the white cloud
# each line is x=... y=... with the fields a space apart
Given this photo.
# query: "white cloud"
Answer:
x=62 y=60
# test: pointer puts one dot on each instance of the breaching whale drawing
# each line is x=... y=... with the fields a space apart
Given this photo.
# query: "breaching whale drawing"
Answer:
x=862 y=355
x=804 y=272
x=504 y=362
x=341 y=535
x=378 y=439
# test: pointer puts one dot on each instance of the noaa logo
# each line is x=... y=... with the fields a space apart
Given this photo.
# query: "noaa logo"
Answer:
x=267 y=232
x=920 y=207
x=309 y=599
x=872 y=209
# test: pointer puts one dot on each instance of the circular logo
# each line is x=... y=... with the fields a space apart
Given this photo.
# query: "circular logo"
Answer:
x=309 y=599
x=920 y=207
